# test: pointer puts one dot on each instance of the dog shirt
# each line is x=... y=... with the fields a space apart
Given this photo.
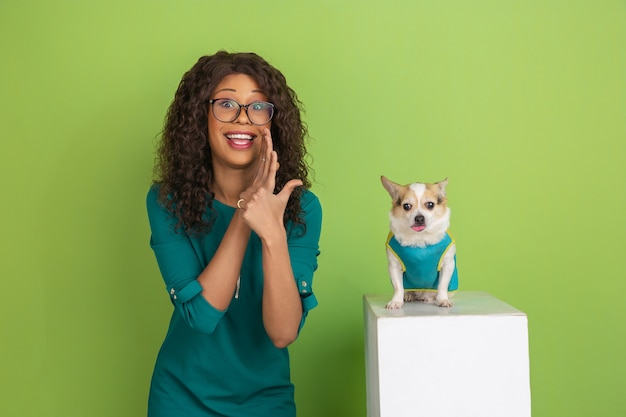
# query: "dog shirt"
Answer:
x=421 y=266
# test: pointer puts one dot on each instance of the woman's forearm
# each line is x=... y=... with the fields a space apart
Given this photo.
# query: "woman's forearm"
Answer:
x=219 y=278
x=282 y=307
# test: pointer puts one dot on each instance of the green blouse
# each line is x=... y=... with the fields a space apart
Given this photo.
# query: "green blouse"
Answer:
x=222 y=363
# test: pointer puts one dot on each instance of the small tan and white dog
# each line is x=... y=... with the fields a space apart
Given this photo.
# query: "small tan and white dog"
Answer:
x=421 y=253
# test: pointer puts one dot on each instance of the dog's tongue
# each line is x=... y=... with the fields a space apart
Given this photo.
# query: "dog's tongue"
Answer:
x=418 y=228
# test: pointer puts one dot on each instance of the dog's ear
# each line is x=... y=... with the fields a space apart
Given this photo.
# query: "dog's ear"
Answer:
x=441 y=187
x=391 y=187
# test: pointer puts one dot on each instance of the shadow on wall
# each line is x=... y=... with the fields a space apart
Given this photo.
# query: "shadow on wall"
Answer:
x=330 y=380
x=327 y=360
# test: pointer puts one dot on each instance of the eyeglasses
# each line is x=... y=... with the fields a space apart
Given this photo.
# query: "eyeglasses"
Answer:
x=227 y=110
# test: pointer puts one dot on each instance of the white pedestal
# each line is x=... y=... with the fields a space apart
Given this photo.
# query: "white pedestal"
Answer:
x=470 y=360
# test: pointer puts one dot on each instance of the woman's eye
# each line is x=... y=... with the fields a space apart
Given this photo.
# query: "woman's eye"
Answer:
x=225 y=104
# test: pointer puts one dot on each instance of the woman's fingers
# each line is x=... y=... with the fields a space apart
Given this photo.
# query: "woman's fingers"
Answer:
x=265 y=175
x=272 y=166
x=260 y=173
x=267 y=160
x=285 y=193
x=264 y=181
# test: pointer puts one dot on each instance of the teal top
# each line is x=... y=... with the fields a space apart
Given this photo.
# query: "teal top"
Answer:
x=222 y=363
x=421 y=266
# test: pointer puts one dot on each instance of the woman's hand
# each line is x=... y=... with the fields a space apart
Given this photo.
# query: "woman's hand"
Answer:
x=261 y=209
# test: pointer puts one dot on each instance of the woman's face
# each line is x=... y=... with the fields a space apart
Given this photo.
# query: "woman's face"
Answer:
x=235 y=144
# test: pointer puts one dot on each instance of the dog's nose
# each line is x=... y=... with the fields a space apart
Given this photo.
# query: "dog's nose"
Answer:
x=419 y=220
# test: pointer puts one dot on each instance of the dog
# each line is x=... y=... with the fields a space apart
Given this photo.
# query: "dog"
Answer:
x=421 y=253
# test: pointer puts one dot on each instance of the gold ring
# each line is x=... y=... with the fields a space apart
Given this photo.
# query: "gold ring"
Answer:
x=239 y=203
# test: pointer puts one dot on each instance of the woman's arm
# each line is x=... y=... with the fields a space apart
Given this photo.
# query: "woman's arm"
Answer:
x=302 y=252
x=181 y=266
x=282 y=308
x=220 y=276
x=263 y=212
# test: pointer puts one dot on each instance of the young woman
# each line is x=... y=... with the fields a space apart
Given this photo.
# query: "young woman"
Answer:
x=235 y=231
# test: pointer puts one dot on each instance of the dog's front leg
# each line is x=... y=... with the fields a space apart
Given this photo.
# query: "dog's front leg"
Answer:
x=395 y=274
x=447 y=268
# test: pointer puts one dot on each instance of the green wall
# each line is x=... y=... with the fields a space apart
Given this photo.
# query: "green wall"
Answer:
x=521 y=104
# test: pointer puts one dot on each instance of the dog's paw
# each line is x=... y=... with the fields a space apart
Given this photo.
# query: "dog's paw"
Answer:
x=444 y=303
x=394 y=304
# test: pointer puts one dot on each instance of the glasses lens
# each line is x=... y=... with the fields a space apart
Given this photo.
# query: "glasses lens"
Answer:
x=225 y=110
x=260 y=112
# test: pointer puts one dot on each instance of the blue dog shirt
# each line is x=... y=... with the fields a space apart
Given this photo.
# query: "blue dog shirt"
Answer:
x=421 y=266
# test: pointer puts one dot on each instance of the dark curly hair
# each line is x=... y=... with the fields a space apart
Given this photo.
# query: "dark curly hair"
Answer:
x=183 y=162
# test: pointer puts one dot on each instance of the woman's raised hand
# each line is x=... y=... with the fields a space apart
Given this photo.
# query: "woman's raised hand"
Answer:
x=261 y=209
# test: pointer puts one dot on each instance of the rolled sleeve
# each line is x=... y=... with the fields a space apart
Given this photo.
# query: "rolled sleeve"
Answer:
x=304 y=251
x=194 y=308
x=186 y=293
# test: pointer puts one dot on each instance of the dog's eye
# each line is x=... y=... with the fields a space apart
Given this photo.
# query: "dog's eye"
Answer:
x=430 y=205
x=406 y=206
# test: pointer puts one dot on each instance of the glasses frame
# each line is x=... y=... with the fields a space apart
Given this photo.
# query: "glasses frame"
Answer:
x=242 y=106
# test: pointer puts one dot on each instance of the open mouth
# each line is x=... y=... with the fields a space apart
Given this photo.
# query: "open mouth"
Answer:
x=240 y=137
x=418 y=228
x=240 y=140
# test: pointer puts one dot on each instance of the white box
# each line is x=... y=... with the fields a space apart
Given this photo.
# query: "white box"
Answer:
x=470 y=360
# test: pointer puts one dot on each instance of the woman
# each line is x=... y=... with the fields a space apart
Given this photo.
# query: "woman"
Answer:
x=235 y=234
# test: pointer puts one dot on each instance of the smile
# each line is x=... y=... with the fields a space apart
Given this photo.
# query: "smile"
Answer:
x=240 y=139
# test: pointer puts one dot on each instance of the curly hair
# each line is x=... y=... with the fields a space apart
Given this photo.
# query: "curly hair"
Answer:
x=183 y=166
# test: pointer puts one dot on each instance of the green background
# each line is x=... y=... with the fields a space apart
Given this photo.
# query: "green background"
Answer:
x=521 y=104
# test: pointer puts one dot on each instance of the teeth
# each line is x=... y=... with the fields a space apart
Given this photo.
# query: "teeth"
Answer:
x=240 y=136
